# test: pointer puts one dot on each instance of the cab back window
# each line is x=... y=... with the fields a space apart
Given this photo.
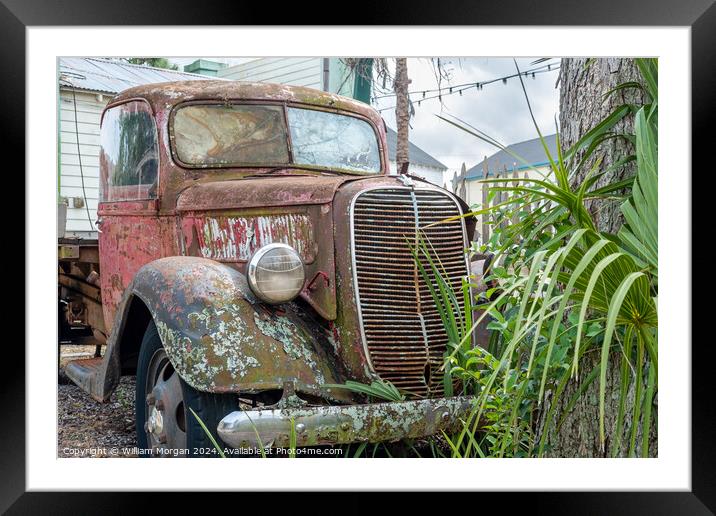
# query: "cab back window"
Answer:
x=129 y=155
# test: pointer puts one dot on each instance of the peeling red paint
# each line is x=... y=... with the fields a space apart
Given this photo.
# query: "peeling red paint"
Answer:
x=226 y=238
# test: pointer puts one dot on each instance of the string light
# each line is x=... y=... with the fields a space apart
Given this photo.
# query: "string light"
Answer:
x=539 y=69
x=450 y=90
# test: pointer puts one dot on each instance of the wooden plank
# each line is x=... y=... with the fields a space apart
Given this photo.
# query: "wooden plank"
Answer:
x=503 y=195
x=296 y=71
x=72 y=180
x=92 y=192
x=87 y=161
x=85 y=150
x=515 y=218
x=85 y=139
x=69 y=170
x=485 y=229
x=266 y=65
x=67 y=115
x=86 y=290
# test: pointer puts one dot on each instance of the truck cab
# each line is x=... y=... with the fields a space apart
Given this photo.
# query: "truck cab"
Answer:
x=254 y=256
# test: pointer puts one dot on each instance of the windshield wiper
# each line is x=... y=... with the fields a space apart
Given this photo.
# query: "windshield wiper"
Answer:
x=287 y=167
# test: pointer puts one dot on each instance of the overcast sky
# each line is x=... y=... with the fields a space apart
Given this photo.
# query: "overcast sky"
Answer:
x=498 y=109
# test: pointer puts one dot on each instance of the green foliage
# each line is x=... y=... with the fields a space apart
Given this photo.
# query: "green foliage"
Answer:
x=505 y=425
x=292 y=440
x=565 y=289
x=639 y=235
x=379 y=389
x=156 y=62
x=218 y=448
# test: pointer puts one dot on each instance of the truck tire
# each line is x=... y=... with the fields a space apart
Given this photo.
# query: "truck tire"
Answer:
x=165 y=425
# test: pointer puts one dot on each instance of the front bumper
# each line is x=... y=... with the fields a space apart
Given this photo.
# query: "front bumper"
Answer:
x=339 y=424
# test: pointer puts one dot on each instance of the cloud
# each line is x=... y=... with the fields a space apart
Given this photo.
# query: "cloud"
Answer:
x=498 y=109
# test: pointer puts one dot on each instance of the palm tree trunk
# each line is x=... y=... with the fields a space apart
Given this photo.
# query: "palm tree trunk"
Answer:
x=402 y=113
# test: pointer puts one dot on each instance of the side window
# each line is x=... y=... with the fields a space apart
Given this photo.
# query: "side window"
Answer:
x=129 y=158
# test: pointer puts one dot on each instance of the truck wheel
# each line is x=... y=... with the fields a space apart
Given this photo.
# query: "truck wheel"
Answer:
x=163 y=420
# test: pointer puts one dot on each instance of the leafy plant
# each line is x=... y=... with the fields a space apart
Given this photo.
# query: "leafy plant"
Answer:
x=220 y=451
x=218 y=448
x=378 y=389
x=566 y=288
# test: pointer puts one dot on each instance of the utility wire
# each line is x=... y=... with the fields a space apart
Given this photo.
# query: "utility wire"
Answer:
x=79 y=158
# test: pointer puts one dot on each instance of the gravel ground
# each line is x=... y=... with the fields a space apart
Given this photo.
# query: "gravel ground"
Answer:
x=87 y=428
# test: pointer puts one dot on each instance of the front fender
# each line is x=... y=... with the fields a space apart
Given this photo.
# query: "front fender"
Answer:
x=220 y=338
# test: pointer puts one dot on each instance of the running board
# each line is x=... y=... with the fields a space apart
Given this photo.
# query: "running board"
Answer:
x=87 y=374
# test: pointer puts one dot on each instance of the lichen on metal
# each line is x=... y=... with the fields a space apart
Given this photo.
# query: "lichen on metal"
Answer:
x=320 y=425
x=295 y=344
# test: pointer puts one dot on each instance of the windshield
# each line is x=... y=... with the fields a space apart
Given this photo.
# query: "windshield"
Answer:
x=256 y=135
x=236 y=134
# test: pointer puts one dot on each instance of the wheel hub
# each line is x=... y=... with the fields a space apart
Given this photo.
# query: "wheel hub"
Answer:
x=155 y=423
x=165 y=422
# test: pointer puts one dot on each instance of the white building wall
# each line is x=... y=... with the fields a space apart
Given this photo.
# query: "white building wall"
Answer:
x=474 y=189
x=431 y=174
x=89 y=111
x=295 y=71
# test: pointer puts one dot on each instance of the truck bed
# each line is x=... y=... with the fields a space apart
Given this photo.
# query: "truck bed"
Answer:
x=78 y=282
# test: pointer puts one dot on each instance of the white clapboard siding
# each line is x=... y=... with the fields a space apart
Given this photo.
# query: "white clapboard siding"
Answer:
x=295 y=71
x=85 y=139
x=89 y=108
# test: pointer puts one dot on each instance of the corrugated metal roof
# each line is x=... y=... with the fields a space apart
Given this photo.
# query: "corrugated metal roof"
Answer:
x=112 y=76
x=415 y=154
x=529 y=150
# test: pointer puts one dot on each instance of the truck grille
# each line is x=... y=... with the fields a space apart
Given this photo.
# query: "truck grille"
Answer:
x=402 y=329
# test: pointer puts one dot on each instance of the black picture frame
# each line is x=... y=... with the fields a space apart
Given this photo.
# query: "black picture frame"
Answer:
x=700 y=15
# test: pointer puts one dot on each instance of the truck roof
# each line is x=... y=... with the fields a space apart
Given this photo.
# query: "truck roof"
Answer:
x=167 y=94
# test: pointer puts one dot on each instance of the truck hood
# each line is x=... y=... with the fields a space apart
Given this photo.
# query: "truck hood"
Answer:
x=261 y=192
x=227 y=221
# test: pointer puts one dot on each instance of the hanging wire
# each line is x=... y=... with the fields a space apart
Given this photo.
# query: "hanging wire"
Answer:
x=79 y=154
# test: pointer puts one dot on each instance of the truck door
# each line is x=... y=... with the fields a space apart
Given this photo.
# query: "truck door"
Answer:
x=128 y=221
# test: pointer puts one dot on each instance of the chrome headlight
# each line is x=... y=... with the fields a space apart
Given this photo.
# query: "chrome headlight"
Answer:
x=275 y=273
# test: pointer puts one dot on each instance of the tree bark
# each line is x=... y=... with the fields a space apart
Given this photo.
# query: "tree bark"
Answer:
x=402 y=113
x=583 y=84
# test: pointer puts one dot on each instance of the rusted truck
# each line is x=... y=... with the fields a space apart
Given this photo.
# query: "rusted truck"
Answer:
x=253 y=253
